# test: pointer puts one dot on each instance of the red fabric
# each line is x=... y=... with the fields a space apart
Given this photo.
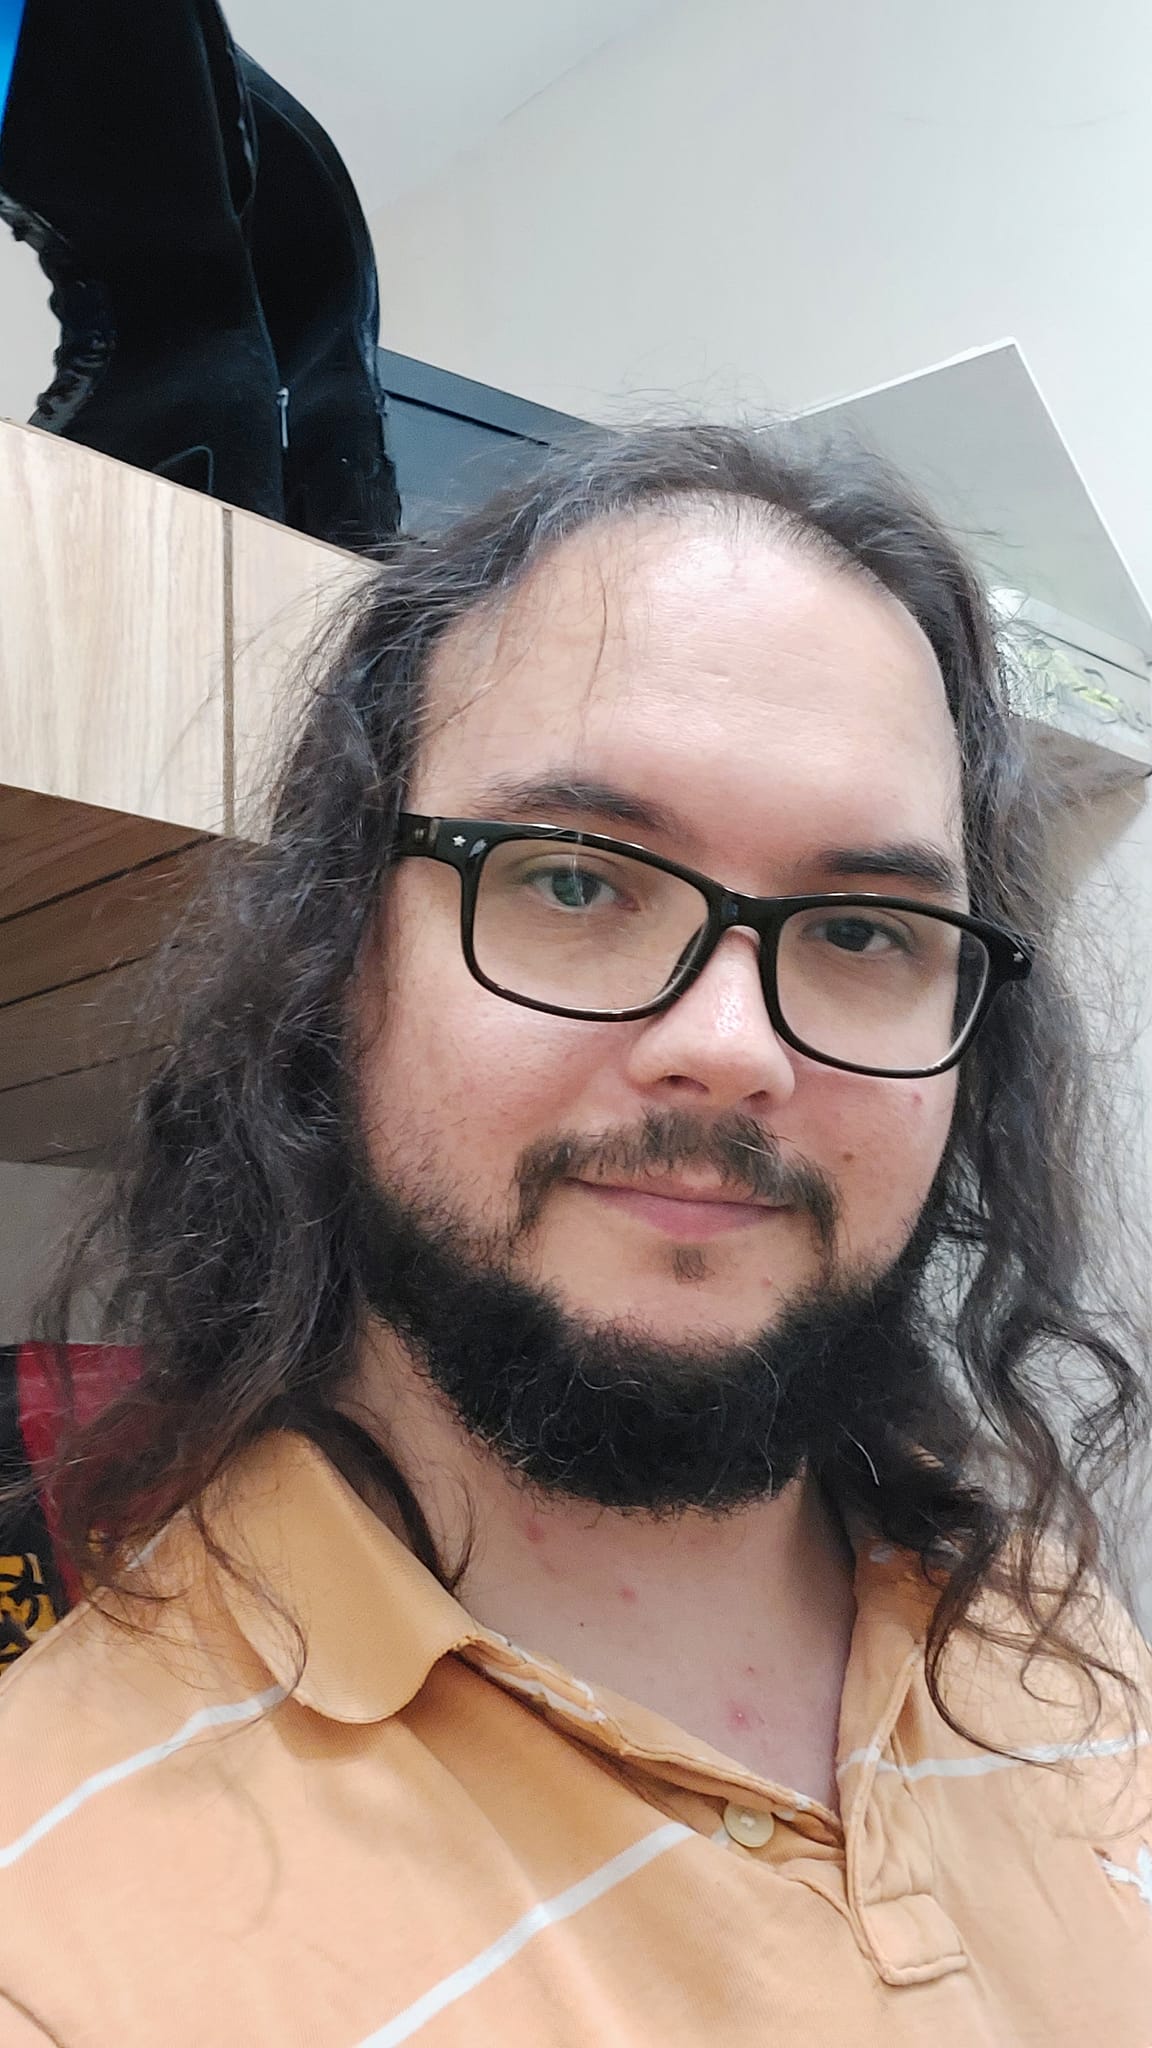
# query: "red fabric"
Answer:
x=99 y=1373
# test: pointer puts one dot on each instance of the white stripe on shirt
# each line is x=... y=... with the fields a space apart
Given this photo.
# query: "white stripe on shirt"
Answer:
x=456 y=1986
x=101 y=1781
x=979 y=1766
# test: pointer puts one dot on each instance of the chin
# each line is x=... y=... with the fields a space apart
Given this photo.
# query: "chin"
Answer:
x=681 y=1309
x=673 y=1287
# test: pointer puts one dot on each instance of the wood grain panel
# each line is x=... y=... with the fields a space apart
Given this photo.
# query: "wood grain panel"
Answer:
x=49 y=846
x=112 y=633
x=96 y=929
x=104 y=1018
x=285 y=587
x=54 y=1121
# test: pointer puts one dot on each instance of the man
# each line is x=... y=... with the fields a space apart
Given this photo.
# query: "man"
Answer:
x=564 y=1575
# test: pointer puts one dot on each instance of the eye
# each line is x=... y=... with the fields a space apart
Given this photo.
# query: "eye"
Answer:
x=854 y=933
x=571 y=887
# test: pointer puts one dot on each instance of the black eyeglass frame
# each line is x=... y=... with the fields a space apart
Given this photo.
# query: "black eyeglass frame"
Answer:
x=465 y=843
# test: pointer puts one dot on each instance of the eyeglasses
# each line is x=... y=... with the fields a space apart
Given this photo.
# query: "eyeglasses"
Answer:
x=583 y=926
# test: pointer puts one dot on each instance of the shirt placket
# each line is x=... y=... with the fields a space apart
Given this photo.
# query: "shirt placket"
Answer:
x=898 y=1922
x=872 y=1863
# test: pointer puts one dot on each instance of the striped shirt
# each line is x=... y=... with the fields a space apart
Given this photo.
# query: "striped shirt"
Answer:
x=409 y=1829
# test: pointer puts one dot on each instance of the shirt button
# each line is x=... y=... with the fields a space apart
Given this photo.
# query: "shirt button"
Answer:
x=746 y=1826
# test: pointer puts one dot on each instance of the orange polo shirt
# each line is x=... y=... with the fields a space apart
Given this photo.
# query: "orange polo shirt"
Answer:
x=435 y=1836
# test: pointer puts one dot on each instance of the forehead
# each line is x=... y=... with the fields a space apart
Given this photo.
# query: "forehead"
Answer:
x=716 y=671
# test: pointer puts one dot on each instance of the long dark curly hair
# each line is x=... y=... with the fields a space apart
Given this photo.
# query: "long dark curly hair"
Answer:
x=228 y=1237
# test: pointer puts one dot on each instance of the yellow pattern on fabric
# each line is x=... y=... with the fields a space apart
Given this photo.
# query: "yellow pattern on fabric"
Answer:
x=26 y=1609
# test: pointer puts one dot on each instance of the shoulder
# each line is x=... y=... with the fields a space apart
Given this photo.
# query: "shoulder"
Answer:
x=139 y=1762
x=98 y=1698
x=1082 y=1706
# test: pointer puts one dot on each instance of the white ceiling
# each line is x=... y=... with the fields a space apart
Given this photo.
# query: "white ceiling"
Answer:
x=402 y=86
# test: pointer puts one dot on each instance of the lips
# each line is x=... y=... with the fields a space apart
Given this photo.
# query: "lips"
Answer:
x=679 y=1209
x=683 y=1191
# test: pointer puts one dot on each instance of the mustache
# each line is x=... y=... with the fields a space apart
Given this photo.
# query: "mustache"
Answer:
x=746 y=1159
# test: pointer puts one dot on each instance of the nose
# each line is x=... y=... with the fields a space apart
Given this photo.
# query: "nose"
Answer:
x=716 y=1043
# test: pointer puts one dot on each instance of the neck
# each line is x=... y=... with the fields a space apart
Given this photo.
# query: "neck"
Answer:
x=736 y=1627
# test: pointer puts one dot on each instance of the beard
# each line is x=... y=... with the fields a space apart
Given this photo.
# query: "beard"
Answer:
x=607 y=1412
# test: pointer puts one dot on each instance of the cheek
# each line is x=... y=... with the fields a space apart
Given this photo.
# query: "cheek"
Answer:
x=455 y=1081
x=882 y=1143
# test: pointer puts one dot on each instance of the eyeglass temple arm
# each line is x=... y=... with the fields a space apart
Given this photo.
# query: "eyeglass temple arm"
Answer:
x=416 y=833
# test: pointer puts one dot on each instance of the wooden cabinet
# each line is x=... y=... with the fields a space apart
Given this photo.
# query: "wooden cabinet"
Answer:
x=111 y=623
x=148 y=642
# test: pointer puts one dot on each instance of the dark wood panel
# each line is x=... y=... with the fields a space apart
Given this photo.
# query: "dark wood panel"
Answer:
x=73 y=1113
x=49 y=847
x=96 y=929
x=82 y=1025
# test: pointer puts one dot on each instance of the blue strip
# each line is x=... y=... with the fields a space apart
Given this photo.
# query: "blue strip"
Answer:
x=11 y=15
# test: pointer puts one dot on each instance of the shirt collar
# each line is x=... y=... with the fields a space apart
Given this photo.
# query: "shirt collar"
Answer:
x=373 y=1621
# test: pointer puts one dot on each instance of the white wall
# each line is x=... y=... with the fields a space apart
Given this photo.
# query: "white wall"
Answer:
x=1107 y=852
x=28 y=332
x=1105 y=849
x=38 y=1205
x=765 y=202
x=403 y=89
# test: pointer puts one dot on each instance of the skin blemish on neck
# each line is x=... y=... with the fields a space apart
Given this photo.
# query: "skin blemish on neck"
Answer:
x=628 y=1594
x=741 y=1717
x=534 y=1529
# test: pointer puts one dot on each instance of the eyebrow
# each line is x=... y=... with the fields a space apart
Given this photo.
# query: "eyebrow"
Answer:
x=905 y=860
x=514 y=798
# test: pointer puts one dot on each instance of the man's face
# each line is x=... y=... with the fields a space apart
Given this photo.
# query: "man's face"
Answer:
x=776 y=711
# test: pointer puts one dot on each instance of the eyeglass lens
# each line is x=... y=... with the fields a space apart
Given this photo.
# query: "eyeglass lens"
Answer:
x=584 y=929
